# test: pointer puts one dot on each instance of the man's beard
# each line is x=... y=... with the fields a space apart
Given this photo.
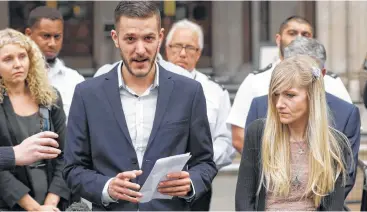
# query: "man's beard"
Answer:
x=51 y=61
x=152 y=60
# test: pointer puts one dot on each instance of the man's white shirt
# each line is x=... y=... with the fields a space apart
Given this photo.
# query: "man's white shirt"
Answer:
x=218 y=106
x=256 y=85
x=64 y=79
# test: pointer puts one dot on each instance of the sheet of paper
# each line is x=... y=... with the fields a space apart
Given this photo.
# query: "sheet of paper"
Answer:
x=161 y=168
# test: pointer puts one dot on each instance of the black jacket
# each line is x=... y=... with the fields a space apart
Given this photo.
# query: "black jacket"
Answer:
x=14 y=184
x=7 y=158
x=250 y=172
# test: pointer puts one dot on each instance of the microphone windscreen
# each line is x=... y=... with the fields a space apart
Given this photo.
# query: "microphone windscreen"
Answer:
x=78 y=206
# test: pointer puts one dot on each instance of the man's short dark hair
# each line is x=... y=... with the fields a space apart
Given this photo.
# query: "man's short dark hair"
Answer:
x=137 y=9
x=295 y=18
x=43 y=12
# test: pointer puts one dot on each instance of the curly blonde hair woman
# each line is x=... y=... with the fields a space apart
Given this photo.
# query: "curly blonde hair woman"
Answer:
x=36 y=79
x=293 y=160
x=30 y=109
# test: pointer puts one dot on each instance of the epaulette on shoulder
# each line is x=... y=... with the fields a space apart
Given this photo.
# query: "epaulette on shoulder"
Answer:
x=263 y=70
x=216 y=82
x=332 y=74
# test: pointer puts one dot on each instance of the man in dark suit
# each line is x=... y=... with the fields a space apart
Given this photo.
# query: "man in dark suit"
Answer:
x=122 y=122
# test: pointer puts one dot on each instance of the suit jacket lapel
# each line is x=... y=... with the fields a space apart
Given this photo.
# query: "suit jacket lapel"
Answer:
x=164 y=92
x=113 y=95
x=9 y=114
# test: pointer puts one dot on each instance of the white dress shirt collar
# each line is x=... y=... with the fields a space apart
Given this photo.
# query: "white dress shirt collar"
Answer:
x=56 y=68
x=122 y=83
x=193 y=73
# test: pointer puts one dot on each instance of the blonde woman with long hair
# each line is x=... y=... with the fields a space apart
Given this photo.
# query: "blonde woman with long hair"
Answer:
x=30 y=109
x=293 y=160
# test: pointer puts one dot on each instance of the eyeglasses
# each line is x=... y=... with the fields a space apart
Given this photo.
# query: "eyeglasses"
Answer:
x=177 y=48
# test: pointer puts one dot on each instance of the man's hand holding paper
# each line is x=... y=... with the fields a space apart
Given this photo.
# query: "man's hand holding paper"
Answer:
x=121 y=188
x=178 y=184
x=166 y=179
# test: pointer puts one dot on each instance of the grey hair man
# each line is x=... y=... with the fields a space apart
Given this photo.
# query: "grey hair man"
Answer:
x=306 y=46
x=312 y=47
x=184 y=45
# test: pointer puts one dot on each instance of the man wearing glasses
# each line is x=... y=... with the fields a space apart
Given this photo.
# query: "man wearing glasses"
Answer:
x=184 y=45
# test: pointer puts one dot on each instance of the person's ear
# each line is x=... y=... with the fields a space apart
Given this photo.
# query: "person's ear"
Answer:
x=323 y=71
x=161 y=37
x=115 y=38
x=278 y=38
x=28 y=31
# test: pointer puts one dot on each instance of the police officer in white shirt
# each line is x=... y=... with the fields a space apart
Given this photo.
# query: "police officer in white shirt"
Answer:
x=257 y=83
x=165 y=64
x=46 y=28
x=183 y=47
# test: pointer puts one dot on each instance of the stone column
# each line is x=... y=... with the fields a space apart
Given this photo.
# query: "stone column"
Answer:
x=342 y=29
x=331 y=25
x=227 y=55
x=338 y=37
x=322 y=27
x=255 y=25
x=104 y=49
x=4 y=14
x=356 y=47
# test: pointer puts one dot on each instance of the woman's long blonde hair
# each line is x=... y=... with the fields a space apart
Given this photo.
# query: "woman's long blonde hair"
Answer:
x=326 y=160
x=37 y=80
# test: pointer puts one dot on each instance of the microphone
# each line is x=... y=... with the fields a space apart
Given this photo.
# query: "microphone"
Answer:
x=78 y=206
